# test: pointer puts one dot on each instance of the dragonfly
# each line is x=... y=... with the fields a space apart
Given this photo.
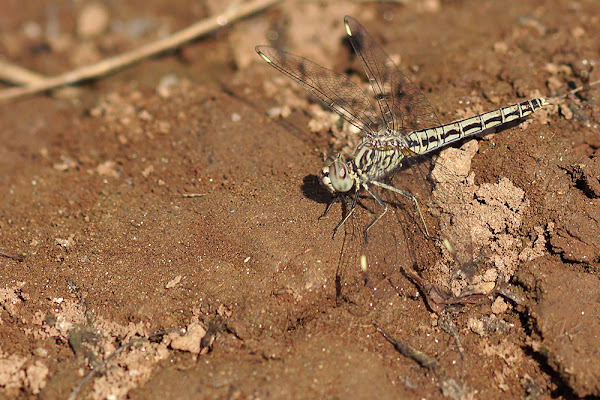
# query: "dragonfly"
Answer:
x=404 y=127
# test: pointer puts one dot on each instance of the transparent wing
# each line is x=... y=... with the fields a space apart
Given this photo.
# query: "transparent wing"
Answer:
x=336 y=91
x=403 y=106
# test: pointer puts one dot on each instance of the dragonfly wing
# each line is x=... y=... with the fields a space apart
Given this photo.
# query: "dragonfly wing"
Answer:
x=336 y=91
x=403 y=107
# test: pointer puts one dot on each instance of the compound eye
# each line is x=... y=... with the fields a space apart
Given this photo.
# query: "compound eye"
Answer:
x=340 y=180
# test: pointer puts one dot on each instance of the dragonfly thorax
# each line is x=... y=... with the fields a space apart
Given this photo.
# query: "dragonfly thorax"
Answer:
x=375 y=159
x=338 y=175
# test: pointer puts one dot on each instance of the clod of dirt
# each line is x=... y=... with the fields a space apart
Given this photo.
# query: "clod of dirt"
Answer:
x=477 y=217
x=587 y=177
x=565 y=322
x=576 y=239
x=17 y=373
x=36 y=376
x=190 y=341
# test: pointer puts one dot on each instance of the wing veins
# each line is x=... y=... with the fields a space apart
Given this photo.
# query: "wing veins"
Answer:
x=334 y=90
x=403 y=107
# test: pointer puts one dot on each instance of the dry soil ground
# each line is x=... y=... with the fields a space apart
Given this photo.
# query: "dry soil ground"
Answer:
x=174 y=205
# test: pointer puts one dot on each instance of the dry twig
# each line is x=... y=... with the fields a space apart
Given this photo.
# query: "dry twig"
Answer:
x=112 y=64
x=96 y=370
x=18 y=75
x=16 y=256
x=192 y=195
x=408 y=351
x=438 y=298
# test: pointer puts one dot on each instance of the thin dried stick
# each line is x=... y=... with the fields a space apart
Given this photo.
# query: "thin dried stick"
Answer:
x=408 y=351
x=114 y=63
x=18 y=75
x=13 y=256
x=191 y=195
x=96 y=370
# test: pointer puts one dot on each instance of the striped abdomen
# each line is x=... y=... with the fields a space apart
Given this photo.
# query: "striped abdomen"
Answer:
x=427 y=140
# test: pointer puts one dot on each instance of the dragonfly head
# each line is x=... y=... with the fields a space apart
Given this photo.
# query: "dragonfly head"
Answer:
x=336 y=175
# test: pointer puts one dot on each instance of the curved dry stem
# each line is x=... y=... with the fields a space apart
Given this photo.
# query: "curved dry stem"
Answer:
x=113 y=64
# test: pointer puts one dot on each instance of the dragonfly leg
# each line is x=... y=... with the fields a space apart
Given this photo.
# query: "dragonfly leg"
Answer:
x=354 y=202
x=405 y=194
x=378 y=217
x=333 y=200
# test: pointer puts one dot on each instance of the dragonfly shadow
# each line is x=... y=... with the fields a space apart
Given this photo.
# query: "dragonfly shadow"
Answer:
x=314 y=190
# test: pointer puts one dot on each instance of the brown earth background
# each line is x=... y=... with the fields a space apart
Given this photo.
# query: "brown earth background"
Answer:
x=168 y=213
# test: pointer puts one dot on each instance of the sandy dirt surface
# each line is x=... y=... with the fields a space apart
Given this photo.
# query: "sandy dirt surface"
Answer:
x=168 y=213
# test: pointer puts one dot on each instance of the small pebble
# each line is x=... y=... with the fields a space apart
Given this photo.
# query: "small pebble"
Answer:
x=92 y=20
